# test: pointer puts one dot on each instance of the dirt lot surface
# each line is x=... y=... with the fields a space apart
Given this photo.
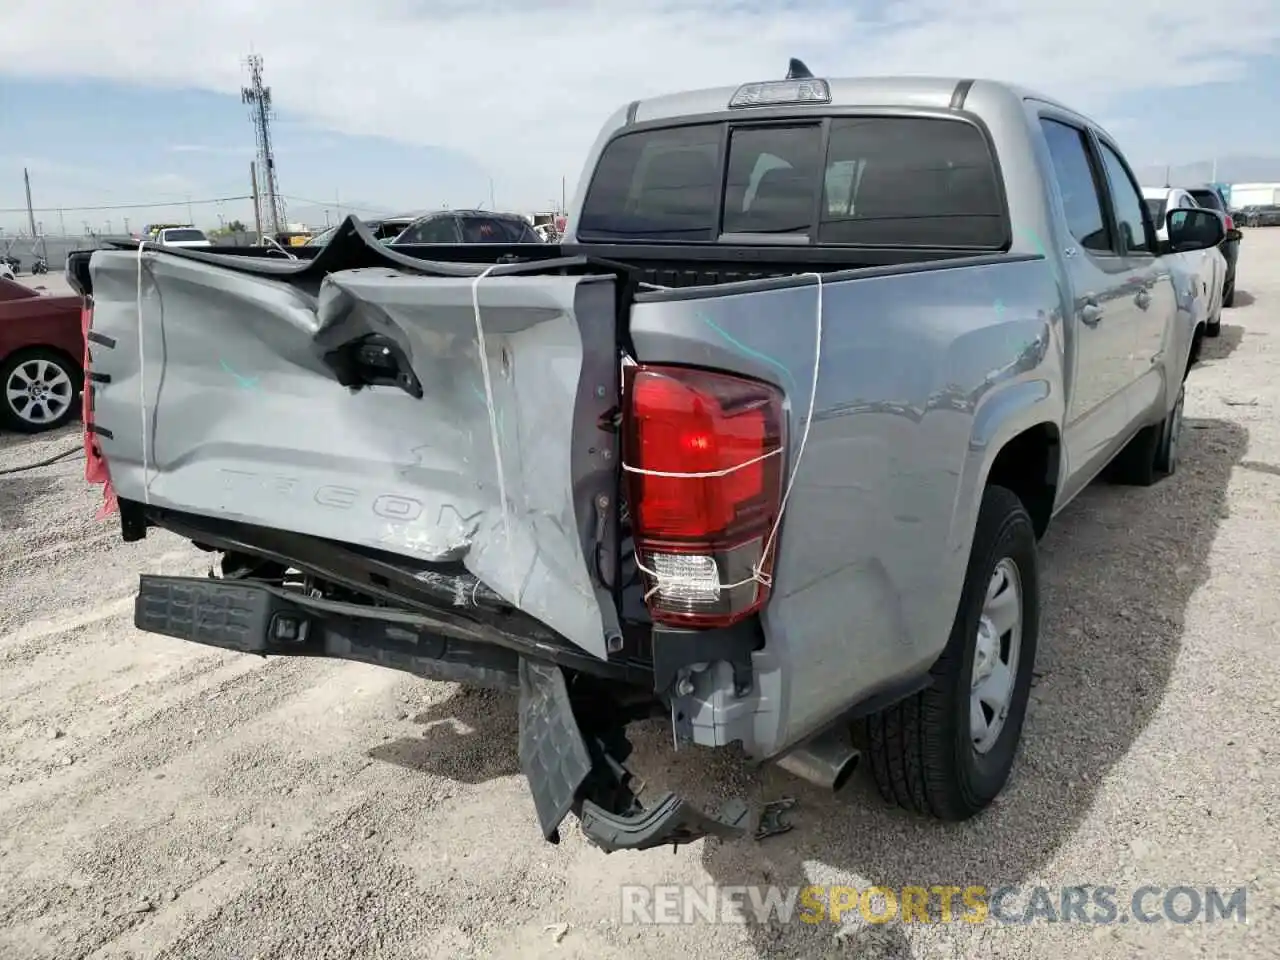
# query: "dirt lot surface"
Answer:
x=159 y=799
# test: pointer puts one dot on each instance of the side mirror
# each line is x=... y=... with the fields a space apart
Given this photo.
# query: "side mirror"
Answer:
x=1195 y=229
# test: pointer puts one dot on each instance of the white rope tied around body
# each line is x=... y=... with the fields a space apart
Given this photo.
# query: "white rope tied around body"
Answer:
x=492 y=411
x=661 y=581
x=142 y=389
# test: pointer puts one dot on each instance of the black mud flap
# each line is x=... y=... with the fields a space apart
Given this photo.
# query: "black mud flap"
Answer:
x=585 y=775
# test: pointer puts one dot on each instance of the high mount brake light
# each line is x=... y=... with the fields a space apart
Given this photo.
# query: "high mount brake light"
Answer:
x=772 y=92
x=705 y=461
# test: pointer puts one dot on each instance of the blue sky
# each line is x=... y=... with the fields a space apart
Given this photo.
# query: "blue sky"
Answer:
x=164 y=146
x=422 y=103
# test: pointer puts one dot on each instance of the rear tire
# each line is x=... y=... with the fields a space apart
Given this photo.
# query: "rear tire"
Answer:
x=923 y=752
x=1153 y=453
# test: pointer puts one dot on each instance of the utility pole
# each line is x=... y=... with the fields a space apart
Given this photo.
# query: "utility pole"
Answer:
x=31 y=214
x=492 y=205
x=1166 y=175
x=564 y=207
x=109 y=231
x=126 y=226
x=62 y=223
x=191 y=218
x=257 y=209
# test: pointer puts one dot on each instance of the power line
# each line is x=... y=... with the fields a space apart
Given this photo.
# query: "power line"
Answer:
x=126 y=206
x=333 y=205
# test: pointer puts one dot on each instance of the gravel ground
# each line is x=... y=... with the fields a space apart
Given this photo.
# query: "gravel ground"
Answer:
x=162 y=800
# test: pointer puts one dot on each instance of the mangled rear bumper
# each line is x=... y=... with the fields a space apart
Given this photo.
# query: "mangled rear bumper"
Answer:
x=573 y=765
x=568 y=772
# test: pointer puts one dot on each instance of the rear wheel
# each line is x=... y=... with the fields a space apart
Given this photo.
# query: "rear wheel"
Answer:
x=37 y=390
x=1153 y=453
x=948 y=750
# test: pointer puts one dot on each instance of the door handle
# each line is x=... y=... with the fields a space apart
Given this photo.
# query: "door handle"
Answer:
x=1091 y=313
x=1143 y=299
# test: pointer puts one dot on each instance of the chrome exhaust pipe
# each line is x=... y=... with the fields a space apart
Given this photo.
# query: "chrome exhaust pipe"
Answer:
x=826 y=761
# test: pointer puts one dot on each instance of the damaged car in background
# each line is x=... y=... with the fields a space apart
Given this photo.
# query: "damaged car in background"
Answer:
x=764 y=446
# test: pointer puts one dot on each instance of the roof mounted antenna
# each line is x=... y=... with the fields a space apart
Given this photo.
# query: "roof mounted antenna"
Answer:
x=796 y=70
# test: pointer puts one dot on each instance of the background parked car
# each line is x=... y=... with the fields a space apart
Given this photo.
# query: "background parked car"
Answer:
x=1210 y=266
x=1262 y=216
x=1208 y=196
x=469 y=226
x=182 y=237
x=385 y=229
x=6 y=271
x=41 y=344
x=1160 y=200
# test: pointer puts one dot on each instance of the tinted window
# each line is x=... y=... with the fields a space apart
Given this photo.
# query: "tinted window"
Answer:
x=435 y=230
x=771 y=184
x=1156 y=209
x=656 y=185
x=182 y=236
x=496 y=230
x=1081 y=201
x=1208 y=198
x=895 y=181
x=1127 y=200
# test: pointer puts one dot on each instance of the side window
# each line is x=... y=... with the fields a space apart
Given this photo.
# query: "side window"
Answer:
x=1130 y=213
x=1081 y=199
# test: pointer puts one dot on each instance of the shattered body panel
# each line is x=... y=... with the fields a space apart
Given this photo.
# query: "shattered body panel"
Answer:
x=238 y=389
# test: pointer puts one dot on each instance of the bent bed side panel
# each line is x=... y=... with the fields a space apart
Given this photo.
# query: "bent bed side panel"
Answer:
x=869 y=565
x=244 y=419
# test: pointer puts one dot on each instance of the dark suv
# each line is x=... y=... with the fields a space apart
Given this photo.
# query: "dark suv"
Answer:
x=1208 y=196
x=469 y=226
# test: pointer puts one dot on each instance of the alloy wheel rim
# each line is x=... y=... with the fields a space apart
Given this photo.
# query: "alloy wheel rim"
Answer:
x=39 y=391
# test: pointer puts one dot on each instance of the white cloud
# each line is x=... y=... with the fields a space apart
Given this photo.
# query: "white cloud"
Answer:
x=523 y=87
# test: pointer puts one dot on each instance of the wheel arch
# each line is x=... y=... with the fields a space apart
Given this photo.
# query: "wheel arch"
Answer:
x=1029 y=464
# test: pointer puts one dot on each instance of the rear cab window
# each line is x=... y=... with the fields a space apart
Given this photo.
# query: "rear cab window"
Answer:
x=858 y=181
x=183 y=236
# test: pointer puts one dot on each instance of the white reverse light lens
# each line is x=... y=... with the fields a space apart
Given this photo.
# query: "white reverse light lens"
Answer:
x=686 y=578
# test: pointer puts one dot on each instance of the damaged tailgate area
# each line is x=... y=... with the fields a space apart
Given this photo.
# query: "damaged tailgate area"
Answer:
x=354 y=407
x=406 y=463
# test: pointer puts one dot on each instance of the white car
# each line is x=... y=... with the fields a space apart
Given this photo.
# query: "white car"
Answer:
x=1160 y=200
x=182 y=237
x=1211 y=265
x=6 y=271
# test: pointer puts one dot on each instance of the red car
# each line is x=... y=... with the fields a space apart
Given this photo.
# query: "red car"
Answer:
x=41 y=348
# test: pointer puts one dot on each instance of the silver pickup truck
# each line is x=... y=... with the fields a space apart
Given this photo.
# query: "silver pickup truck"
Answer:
x=764 y=446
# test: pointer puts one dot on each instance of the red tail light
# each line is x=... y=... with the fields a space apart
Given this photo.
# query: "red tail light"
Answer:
x=704 y=485
x=1231 y=224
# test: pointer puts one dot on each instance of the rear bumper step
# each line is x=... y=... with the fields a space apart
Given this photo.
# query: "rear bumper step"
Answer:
x=256 y=618
x=573 y=759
